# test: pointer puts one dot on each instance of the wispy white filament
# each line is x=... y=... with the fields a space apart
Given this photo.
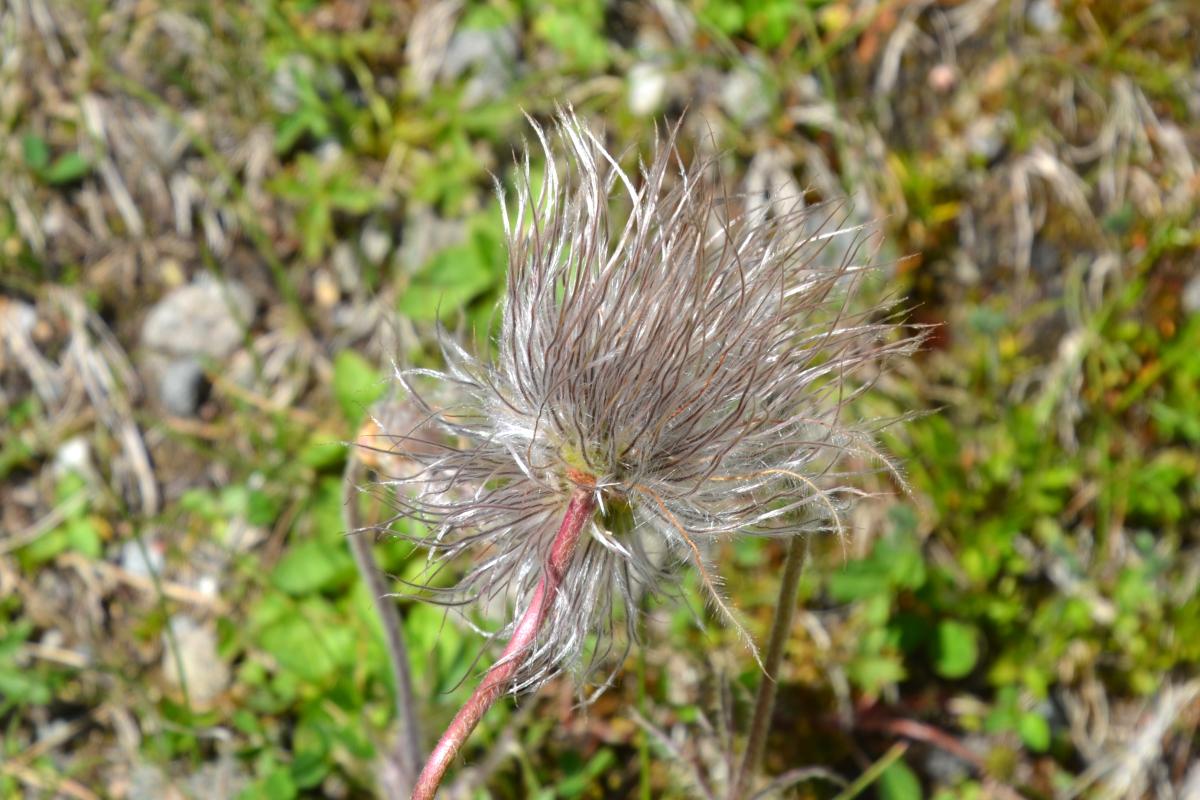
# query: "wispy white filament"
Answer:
x=687 y=363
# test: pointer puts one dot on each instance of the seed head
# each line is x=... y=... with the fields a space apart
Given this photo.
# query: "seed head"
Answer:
x=688 y=363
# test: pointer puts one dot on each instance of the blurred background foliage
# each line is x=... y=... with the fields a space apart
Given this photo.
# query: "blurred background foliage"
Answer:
x=221 y=223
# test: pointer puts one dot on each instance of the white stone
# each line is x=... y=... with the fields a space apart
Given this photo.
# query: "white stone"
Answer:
x=647 y=85
x=144 y=559
x=204 y=319
x=73 y=456
x=205 y=674
x=180 y=387
x=1191 y=295
x=745 y=96
x=1044 y=16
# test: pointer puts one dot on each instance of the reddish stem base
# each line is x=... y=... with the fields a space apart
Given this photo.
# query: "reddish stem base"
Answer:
x=579 y=511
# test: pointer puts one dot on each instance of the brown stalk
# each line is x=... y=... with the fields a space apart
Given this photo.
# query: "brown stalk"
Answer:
x=579 y=511
x=764 y=703
x=406 y=751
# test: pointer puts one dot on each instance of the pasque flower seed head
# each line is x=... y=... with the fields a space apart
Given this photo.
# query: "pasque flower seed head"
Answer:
x=687 y=363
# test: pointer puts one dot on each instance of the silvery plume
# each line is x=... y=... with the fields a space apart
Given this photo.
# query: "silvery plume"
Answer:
x=685 y=363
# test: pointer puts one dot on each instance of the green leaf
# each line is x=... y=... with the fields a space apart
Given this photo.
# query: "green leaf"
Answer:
x=873 y=673
x=352 y=199
x=321 y=453
x=905 y=566
x=67 y=169
x=37 y=152
x=22 y=686
x=857 y=580
x=19 y=684
x=77 y=533
x=69 y=486
x=247 y=723
x=894 y=563
x=356 y=384
x=452 y=279
x=14 y=452
x=899 y=782
x=311 y=566
x=582 y=779
x=261 y=508
x=747 y=551
x=575 y=34
x=310 y=643
x=773 y=21
x=279 y=785
x=294 y=126
x=727 y=17
x=1034 y=731
x=316 y=222
x=312 y=745
x=82 y=537
x=44 y=548
x=957 y=649
x=440 y=645
x=324 y=512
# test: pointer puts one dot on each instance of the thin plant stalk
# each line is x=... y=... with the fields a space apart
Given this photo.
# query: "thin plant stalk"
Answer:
x=406 y=756
x=579 y=511
x=764 y=701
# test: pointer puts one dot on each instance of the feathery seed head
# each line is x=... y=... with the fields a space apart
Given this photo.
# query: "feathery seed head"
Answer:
x=687 y=364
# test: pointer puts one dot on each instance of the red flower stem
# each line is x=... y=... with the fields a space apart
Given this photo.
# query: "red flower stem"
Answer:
x=579 y=511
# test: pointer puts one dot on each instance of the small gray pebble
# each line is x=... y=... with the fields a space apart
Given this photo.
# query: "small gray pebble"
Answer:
x=143 y=559
x=1191 y=295
x=204 y=319
x=181 y=387
x=745 y=96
